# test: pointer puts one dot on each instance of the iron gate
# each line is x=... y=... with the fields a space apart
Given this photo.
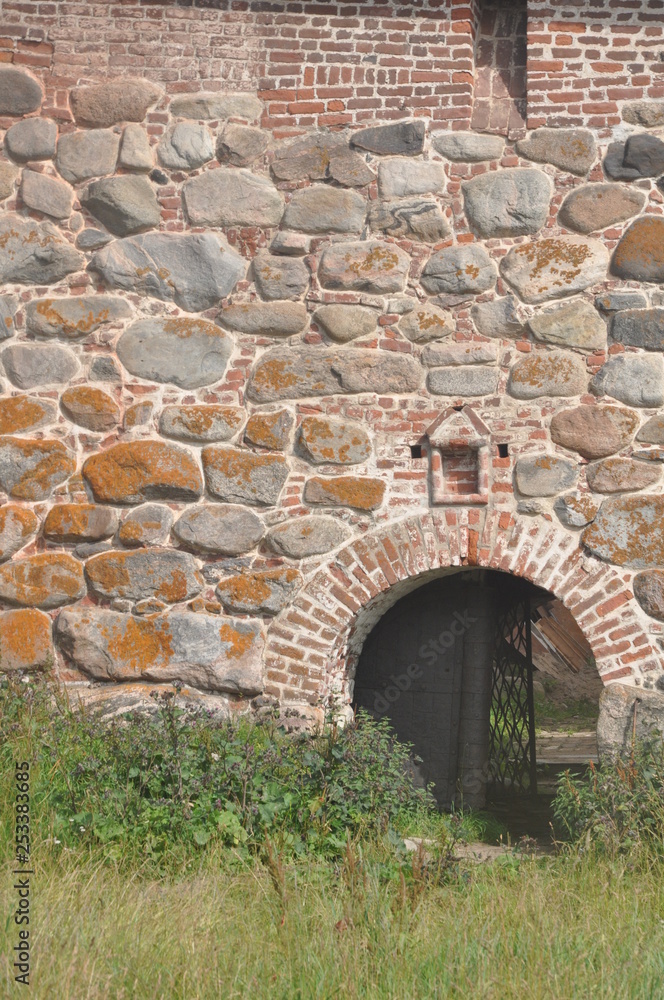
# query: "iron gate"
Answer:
x=512 y=759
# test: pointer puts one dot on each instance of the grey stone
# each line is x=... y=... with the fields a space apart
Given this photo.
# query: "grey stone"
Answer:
x=208 y=652
x=239 y=476
x=22 y=413
x=652 y=431
x=634 y=379
x=551 y=373
x=47 y=195
x=644 y=153
x=47 y=580
x=260 y=592
x=240 y=145
x=573 y=324
x=370 y=266
x=611 y=302
x=323 y=209
x=419 y=219
x=113 y=101
x=459 y=270
x=186 y=146
x=147 y=525
x=104 y=369
x=194 y=270
x=614 y=163
x=18 y=525
x=8 y=176
x=28 y=366
x=649 y=592
x=532 y=507
x=212 y=106
x=82 y=155
x=20 y=93
x=167 y=574
x=464 y=147
x=572 y=149
x=30 y=469
x=228 y=197
x=324 y=441
x=344 y=323
x=639 y=328
x=219 y=529
x=186 y=352
x=621 y=475
x=628 y=532
x=90 y=408
x=131 y=472
x=74 y=316
x=576 y=510
x=507 y=202
x=640 y=252
x=426 y=322
x=399 y=177
x=280 y=277
x=269 y=430
x=498 y=318
x=648 y=114
x=201 y=422
x=624 y=712
x=32 y=139
x=125 y=205
x=290 y=244
x=92 y=239
x=463 y=381
x=8 y=310
x=594 y=431
x=401 y=138
x=467 y=352
x=544 y=475
x=135 y=149
x=302 y=537
x=350 y=169
x=307 y=157
x=265 y=319
x=592 y=207
x=554 y=267
x=285 y=373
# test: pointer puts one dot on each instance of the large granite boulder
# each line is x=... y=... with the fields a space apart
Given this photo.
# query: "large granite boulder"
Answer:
x=625 y=712
x=126 y=204
x=550 y=373
x=219 y=529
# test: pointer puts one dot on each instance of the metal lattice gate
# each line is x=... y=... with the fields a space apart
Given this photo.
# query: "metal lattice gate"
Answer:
x=512 y=760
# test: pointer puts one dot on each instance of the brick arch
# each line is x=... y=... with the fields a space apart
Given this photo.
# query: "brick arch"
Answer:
x=312 y=646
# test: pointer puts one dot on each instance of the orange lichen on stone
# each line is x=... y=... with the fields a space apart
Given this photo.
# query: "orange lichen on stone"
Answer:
x=17 y=524
x=558 y=257
x=48 y=310
x=21 y=413
x=73 y=521
x=47 y=580
x=35 y=467
x=138 y=643
x=269 y=430
x=133 y=471
x=238 y=642
x=640 y=253
x=25 y=640
x=378 y=259
x=275 y=376
x=345 y=491
x=90 y=407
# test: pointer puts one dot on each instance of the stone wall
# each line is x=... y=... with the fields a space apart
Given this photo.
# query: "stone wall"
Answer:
x=261 y=376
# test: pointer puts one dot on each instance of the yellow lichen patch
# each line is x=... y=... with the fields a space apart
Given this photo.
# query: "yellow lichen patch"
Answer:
x=21 y=413
x=251 y=591
x=275 y=375
x=185 y=327
x=237 y=640
x=25 y=640
x=138 y=643
x=555 y=257
x=627 y=532
x=379 y=258
x=345 y=491
x=332 y=441
x=198 y=420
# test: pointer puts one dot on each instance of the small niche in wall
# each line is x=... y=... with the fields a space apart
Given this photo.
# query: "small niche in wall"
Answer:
x=458 y=447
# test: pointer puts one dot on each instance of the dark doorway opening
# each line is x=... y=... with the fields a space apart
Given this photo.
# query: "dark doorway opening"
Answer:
x=461 y=667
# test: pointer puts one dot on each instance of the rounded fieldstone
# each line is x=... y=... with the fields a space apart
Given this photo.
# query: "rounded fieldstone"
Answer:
x=92 y=239
x=611 y=302
x=25 y=413
x=147 y=525
x=226 y=197
x=74 y=316
x=213 y=106
x=637 y=380
x=640 y=252
x=426 y=322
x=592 y=207
x=649 y=592
x=307 y=157
x=466 y=352
x=594 y=431
x=219 y=529
x=324 y=441
x=194 y=270
x=576 y=510
x=344 y=323
x=17 y=526
x=8 y=176
x=377 y=371
x=399 y=178
x=239 y=476
x=621 y=475
x=201 y=422
x=644 y=153
x=507 y=202
x=124 y=204
x=32 y=139
x=345 y=491
x=459 y=270
x=135 y=149
x=302 y=537
x=47 y=195
x=265 y=319
x=417 y=218
x=290 y=244
x=572 y=149
x=79 y=522
x=614 y=163
x=47 y=580
x=368 y=266
x=323 y=209
x=280 y=277
x=465 y=147
x=401 y=138
x=20 y=93
x=639 y=328
x=259 y=592
x=627 y=532
x=652 y=431
x=269 y=430
x=463 y=381
x=82 y=155
x=498 y=318
x=553 y=373
x=180 y=350
x=106 y=104
x=30 y=469
x=133 y=471
x=240 y=145
x=34 y=253
x=648 y=114
x=350 y=169
x=544 y=475
x=167 y=574
x=186 y=146
x=574 y=324
x=555 y=267
x=25 y=640
x=28 y=366
x=90 y=407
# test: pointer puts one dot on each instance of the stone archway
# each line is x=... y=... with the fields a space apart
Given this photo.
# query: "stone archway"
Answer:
x=312 y=647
